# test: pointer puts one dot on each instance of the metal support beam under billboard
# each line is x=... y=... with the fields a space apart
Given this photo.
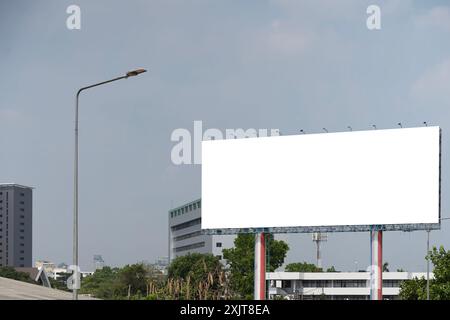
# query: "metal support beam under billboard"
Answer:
x=260 y=267
x=376 y=265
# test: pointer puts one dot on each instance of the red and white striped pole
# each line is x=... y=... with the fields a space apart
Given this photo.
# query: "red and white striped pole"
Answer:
x=376 y=262
x=260 y=266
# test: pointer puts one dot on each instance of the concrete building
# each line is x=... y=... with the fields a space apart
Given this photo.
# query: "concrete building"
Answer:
x=48 y=266
x=16 y=228
x=185 y=234
x=334 y=285
x=58 y=272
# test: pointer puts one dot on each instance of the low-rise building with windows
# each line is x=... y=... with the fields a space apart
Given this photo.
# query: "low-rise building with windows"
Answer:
x=334 y=285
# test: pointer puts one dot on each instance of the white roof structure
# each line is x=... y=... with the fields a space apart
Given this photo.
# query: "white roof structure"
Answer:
x=18 y=290
x=342 y=275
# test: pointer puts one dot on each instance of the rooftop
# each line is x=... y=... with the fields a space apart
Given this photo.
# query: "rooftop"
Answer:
x=342 y=275
x=18 y=290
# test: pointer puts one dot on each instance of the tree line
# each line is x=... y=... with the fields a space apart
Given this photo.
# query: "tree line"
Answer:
x=203 y=276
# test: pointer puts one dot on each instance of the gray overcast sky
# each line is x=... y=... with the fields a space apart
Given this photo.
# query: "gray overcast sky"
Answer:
x=283 y=64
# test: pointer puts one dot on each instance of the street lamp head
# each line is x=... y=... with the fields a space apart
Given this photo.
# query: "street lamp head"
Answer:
x=135 y=72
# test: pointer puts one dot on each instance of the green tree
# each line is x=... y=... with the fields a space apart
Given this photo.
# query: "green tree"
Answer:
x=332 y=269
x=102 y=284
x=195 y=265
x=133 y=280
x=11 y=273
x=61 y=282
x=415 y=289
x=196 y=276
x=241 y=261
x=440 y=285
x=302 y=267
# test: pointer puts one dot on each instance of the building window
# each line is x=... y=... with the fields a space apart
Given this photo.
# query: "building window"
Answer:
x=190 y=207
x=21 y=258
x=199 y=204
x=218 y=244
x=22 y=230
x=190 y=247
x=22 y=216
x=22 y=209
x=194 y=206
x=187 y=236
x=219 y=257
x=187 y=224
x=22 y=194
x=22 y=224
x=22 y=265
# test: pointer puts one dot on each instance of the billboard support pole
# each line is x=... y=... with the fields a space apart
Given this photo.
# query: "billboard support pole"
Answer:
x=376 y=265
x=260 y=267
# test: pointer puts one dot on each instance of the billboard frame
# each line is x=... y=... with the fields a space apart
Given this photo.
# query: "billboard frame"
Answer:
x=346 y=228
x=343 y=228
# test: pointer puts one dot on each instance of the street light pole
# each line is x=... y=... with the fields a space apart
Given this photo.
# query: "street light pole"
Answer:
x=76 y=275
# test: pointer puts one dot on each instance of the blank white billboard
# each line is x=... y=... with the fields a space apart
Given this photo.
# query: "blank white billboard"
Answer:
x=376 y=177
